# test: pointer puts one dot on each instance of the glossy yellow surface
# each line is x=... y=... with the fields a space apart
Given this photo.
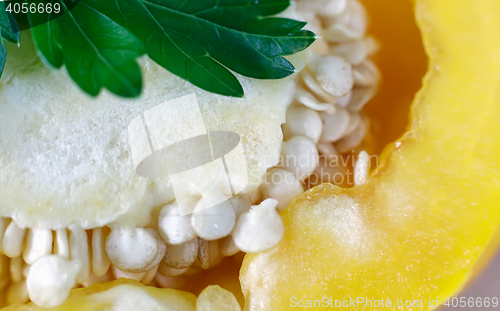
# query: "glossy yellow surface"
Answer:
x=418 y=228
x=402 y=62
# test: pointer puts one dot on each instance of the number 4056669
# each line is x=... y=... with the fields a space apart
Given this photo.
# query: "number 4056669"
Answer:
x=462 y=302
x=33 y=8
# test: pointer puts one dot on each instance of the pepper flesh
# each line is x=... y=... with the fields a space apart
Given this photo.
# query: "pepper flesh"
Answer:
x=426 y=219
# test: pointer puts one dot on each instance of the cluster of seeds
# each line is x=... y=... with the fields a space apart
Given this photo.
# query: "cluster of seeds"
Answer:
x=44 y=265
x=325 y=120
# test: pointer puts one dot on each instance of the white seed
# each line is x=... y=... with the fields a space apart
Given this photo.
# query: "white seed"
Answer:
x=340 y=33
x=320 y=46
x=117 y=273
x=215 y=255
x=212 y=220
x=344 y=100
x=174 y=228
x=131 y=250
x=349 y=25
x=51 y=279
x=255 y=198
x=17 y=293
x=325 y=8
x=16 y=269
x=170 y=282
x=208 y=255
x=334 y=125
x=38 y=244
x=334 y=74
x=181 y=256
x=216 y=298
x=166 y=270
x=13 y=240
x=328 y=151
x=242 y=202
x=352 y=140
x=316 y=88
x=282 y=186
x=150 y=275
x=259 y=229
x=366 y=74
x=353 y=52
x=308 y=10
x=94 y=279
x=302 y=121
x=26 y=270
x=4 y=223
x=227 y=247
x=354 y=120
x=79 y=250
x=61 y=243
x=361 y=168
x=372 y=46
x=204 y=254
x=331 y=7
x=100 y=261
x=299 y=157
x=361 y=96
x=308 y=100
x=162 y=248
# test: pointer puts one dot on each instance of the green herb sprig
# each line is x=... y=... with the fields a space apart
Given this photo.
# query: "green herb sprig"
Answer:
x=201 y=41
x=9 y=32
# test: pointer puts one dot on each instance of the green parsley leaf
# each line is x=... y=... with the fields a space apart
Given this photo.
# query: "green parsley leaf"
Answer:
x=9 y=32
x=3 y=57
x=8 y=26
x=96 y=51
x=201 y=41
x=44 y=36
